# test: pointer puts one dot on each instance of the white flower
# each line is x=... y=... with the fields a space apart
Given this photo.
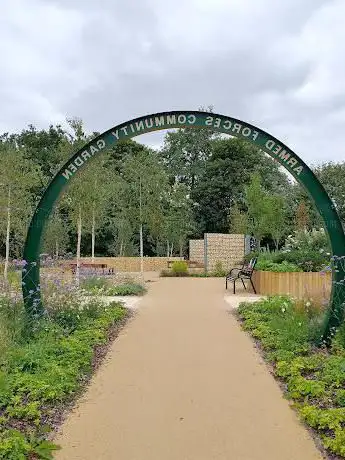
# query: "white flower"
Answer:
x=307 y=304
x=283 y=310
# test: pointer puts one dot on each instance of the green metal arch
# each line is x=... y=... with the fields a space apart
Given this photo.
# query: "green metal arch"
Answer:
x=182 y=119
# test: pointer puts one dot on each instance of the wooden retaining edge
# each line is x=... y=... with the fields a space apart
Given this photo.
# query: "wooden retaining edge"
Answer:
x=313 y=286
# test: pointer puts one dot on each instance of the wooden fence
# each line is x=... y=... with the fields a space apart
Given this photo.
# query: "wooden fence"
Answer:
x=301 y=285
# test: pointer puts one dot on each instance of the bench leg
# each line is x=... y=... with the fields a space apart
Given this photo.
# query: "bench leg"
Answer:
x=234 y=286
x=226 y=283
x=243 y=284
x=251 y=281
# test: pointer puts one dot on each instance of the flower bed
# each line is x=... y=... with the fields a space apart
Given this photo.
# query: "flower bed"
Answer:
x=313 y=378
x=41 y=374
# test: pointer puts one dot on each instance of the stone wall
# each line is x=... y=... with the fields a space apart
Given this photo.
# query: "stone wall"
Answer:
x=132 y=264
x=224 y=248
x=196 y=251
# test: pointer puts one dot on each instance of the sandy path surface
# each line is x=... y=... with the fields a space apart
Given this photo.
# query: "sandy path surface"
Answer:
x=183 y=382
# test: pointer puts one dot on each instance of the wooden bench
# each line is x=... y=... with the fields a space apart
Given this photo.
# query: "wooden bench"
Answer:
x=95 y=267
x=243 y=273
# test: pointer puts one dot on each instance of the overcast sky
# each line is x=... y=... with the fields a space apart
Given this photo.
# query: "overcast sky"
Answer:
x=277 y=64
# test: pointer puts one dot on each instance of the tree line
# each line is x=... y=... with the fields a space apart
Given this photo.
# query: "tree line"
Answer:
x=134 y=200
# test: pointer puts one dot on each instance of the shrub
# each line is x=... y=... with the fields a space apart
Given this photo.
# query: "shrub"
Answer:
x=102 y=286
x=292 y=261
x=126 y=289
x=180 y=268
x=270 y=266
x=167 y=274
x=93 y=283
x=304 y=240
x=219 y=270
x=307 y=249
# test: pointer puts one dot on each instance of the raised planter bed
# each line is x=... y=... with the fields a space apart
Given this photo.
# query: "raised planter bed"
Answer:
x=301 y=285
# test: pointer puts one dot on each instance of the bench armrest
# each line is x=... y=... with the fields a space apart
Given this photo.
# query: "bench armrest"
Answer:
x=232 y=270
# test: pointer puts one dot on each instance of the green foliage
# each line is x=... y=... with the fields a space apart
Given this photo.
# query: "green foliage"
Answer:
x=304 y=240
x=40 y=374
x=238 y=220
x=12 y=322
x=94 y=283
x=195 y=185
x=97 y=285
x=180 y=268
x=266 y=211
x=218 y=270
x=222 y=181
x=14 y=445
x=340 y=398
x=336 y=443
x=186 y=152
x=179 y=219
x=307 y=260
x=306 y=251
x=314 y=378
x=126 y=289
x=331 y=175
x=269 y=266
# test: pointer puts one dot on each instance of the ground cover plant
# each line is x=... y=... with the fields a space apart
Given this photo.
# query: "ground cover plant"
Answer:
x=42 y=372
x=288 y=332
x=306 y=251
x=180 y=269
x=98 y=285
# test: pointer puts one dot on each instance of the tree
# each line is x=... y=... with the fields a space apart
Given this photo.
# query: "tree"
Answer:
x=146 y=182
x=178 y=218
x=331 y=175
x=256 y=200
x=222 y=183
x=80 y=189
x=276 y=217
x=302 y=217
x=18 y=176
x=185 y=153
x=44 y=148
x=56 y=234
x=266 y=211
x=238 y=220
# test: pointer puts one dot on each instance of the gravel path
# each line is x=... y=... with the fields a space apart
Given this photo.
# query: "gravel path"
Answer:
x=183 y=382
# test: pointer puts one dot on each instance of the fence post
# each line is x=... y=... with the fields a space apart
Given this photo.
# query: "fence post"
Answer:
x=205 y=253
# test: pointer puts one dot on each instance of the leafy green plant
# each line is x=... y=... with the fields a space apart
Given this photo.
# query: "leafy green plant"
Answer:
x=314 y=377
x=39 y=373
x=102 y=286
x=219 y=270
x=340 y=398
x=180 y=268
x=270 y=266
x=126 y=289
x=306 y=251
x=94 y=283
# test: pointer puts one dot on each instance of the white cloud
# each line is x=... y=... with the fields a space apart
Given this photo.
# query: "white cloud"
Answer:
x=279 y=65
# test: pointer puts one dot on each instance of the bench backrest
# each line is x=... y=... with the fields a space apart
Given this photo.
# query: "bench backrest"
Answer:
x=249 y=268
